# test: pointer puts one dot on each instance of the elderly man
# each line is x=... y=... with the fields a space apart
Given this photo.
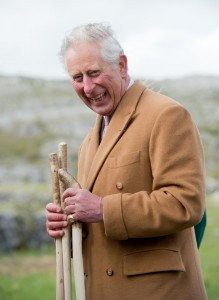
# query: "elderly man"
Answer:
x=142 y=175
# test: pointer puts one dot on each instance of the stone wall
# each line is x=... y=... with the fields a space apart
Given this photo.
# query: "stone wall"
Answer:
x=17 y=231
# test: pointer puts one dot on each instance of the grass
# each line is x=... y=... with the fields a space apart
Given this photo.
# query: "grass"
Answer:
x=26 y=147
x=24 y=187
x=28 y=275
x=41 y=192
x=209 y=250
x=33 y=286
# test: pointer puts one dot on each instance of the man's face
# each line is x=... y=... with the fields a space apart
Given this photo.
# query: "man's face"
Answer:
x=98 y=84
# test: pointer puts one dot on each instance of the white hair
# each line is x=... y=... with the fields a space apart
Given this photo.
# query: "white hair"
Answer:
x=98 y=33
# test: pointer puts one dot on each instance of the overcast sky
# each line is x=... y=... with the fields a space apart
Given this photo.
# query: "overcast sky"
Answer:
x=162 y=38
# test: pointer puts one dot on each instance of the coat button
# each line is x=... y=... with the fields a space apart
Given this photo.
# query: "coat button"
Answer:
x=119 y=185
x=109 y=271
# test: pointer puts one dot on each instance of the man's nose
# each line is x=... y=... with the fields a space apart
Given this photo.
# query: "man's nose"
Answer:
x=88 y=85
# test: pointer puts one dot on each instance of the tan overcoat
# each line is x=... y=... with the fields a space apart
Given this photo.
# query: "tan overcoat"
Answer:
x=149 y=170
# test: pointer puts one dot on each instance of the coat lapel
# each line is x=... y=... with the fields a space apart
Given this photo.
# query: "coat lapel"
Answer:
x=118 y=124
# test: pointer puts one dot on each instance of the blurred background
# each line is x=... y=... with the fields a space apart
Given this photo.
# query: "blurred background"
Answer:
x=172 y=46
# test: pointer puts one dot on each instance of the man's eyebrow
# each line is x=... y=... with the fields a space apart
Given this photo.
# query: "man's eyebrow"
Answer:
x=88 y=72
x=76 y=74
x=93 y=71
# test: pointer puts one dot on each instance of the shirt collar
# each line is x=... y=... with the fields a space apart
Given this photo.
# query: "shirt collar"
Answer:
x=130 y=83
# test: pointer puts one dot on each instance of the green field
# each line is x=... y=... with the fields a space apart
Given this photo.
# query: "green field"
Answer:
x=209 y=250
x=29 y=275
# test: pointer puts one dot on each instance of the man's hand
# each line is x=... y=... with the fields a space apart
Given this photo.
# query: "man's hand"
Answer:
x=55 y=220
x=83 y=205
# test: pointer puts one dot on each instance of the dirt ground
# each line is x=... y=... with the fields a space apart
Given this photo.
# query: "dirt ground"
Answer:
x=17 y=265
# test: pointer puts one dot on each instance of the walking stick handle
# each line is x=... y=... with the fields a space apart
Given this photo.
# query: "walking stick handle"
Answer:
x=68 y=179
x=54 y=167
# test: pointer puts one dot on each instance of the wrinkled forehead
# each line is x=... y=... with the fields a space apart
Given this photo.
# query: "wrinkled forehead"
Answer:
x=83 y=57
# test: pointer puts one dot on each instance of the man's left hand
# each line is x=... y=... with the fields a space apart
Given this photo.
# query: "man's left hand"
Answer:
x=83 y=205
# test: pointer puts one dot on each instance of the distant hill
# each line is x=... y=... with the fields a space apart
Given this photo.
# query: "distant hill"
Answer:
x=37 y=114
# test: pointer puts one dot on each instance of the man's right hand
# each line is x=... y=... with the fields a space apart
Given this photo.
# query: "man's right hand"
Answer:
x=56 y=220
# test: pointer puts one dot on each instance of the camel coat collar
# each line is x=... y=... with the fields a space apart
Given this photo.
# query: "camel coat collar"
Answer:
x=118 y=124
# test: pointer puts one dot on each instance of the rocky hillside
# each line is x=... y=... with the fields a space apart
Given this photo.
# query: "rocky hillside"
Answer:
x=201 y=97
x=36 y=115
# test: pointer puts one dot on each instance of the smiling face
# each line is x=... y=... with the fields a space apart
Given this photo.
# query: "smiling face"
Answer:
x=99 y=84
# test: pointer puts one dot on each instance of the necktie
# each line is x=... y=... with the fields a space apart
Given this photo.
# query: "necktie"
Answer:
x=106 y=124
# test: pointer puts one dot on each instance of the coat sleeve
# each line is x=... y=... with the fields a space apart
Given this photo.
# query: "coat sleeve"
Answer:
x=177 y=199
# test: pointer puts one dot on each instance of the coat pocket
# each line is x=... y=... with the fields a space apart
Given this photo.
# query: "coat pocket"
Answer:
x=152 y=261
x=124 y=160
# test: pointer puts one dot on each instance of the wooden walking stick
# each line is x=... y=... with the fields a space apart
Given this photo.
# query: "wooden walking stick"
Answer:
x=66 y=239
x=54 y=167
x=70 y=181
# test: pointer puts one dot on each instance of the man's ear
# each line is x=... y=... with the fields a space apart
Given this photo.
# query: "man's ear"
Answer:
x=123 y=65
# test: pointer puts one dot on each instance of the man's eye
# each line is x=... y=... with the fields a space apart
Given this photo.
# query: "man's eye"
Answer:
x=78 y=78
x=94 y=73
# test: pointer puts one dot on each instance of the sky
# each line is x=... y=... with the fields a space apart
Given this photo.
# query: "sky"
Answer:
x=161 y=38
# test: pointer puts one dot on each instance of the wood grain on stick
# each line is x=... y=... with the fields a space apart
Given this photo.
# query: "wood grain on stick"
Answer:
x=66 y=239
x=78 y=267
x=54 y=167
